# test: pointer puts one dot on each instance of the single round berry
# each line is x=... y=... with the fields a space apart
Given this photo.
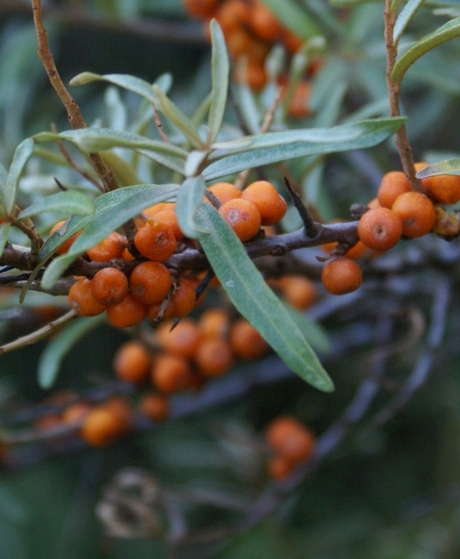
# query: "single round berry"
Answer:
x=183 y=299
x=127 y=313
x=341 y=276
x=102 y=426
x=182 y=340
x=245 y=341
x=279 y=467
x=154 y=406
x=271 y=205
x=156 y=241
x=202 y=9
x=132 y=362
x=110 y=247
x=65 y=245
x=214 y=323
x=299 y=104
x=264 y=23
x=109 y=286
x=150 y=282
x=81 y=299
x=290 y=439
x=380 y=229
x=298 y=290
x=224 y=191
x=417 y=213
x=171 y=373
x=393 y=184
x=243 y=217
x=213 y=357
x=444 y=189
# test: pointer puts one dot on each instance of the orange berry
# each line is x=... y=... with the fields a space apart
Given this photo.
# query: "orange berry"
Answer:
x=182 y=340
x=264 y=23
x=110 y=247
x=224 y=191
x=183 y=299
x=154 y=406
x=156 y=241
x=127 y=313
x=393 y=184
x=279 y=467
x=214 y=323
x=152 y=211
x=120 y=407
x=341 y=276
x=231 y=15
x=132 y=362
x=126 y=255
x=153 y=310
x=271 y=205
x=65 y=245
x=444 y=189
x=213 y=357
x=169 y=217
x=150 y=282
x=245 y=340
x=243 y=217
x=102 y=426
x=171 y=373
x=417 y=213
x=290 y=439
x=298 y=290
x=75 y=413
x=292 y=41
x=81 y=299
x=201 y=9
x=253 y=74
x=380 y=229
x=357 y=251
x=109 y=286
x=299 y=104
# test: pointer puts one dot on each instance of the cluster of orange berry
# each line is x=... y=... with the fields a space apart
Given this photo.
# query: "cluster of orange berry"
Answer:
x=290 y=443
x=148 y=290
x=250 y=30
x=397 y=212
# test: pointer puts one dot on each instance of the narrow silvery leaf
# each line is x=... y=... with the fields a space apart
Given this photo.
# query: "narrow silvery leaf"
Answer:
x=447 y=167
x=20 y=158
x=407 y=13
x=66 y=203
x=220 y=68
x=189 y=199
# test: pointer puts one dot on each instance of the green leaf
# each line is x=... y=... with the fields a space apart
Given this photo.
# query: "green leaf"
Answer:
x=220 y=68
x=280 y=146
x=52 y=356
x=407 y=13
x=447 y=167
x=67 y=203
x=293 y=17
x=445 y=33
x=20 y=158
x=93 y=140
x=178 y=118
x=253 y=298
x=4 y=232
x=111 y=211
x=314 y=333
x=188 y=202
x=131 y=83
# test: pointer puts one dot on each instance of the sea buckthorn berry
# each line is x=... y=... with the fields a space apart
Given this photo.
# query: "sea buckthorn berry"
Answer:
x=122 y=409
x=214 y=323
x=153 y=311
x=201 y=9
x=357 y=251
x=154 y=406
x=298 y=290
x=213 y=357
x=150 y=282
x=245 y=341
x=417 y=213
x=380 y=229
x=444 y=189
x=252 y=73
x=243 y=217
x=81 y=299
x=65 y=245
x=393 y=184
x=231 y=15
x=126 y=255
x=127 y=313
x=271 y=205
x=169 y=217
x=299 y=104
x=171 y=373
x=341 y=276
x=109 y=286
x=264 y=23
x=182 y=340
x=132 y=362
x=183 y=300
x=110 y=247
x=290 y=439
x=292 y=41
x=279 y=467
x=102 y=426
x=155 y=241
x=224 y=191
